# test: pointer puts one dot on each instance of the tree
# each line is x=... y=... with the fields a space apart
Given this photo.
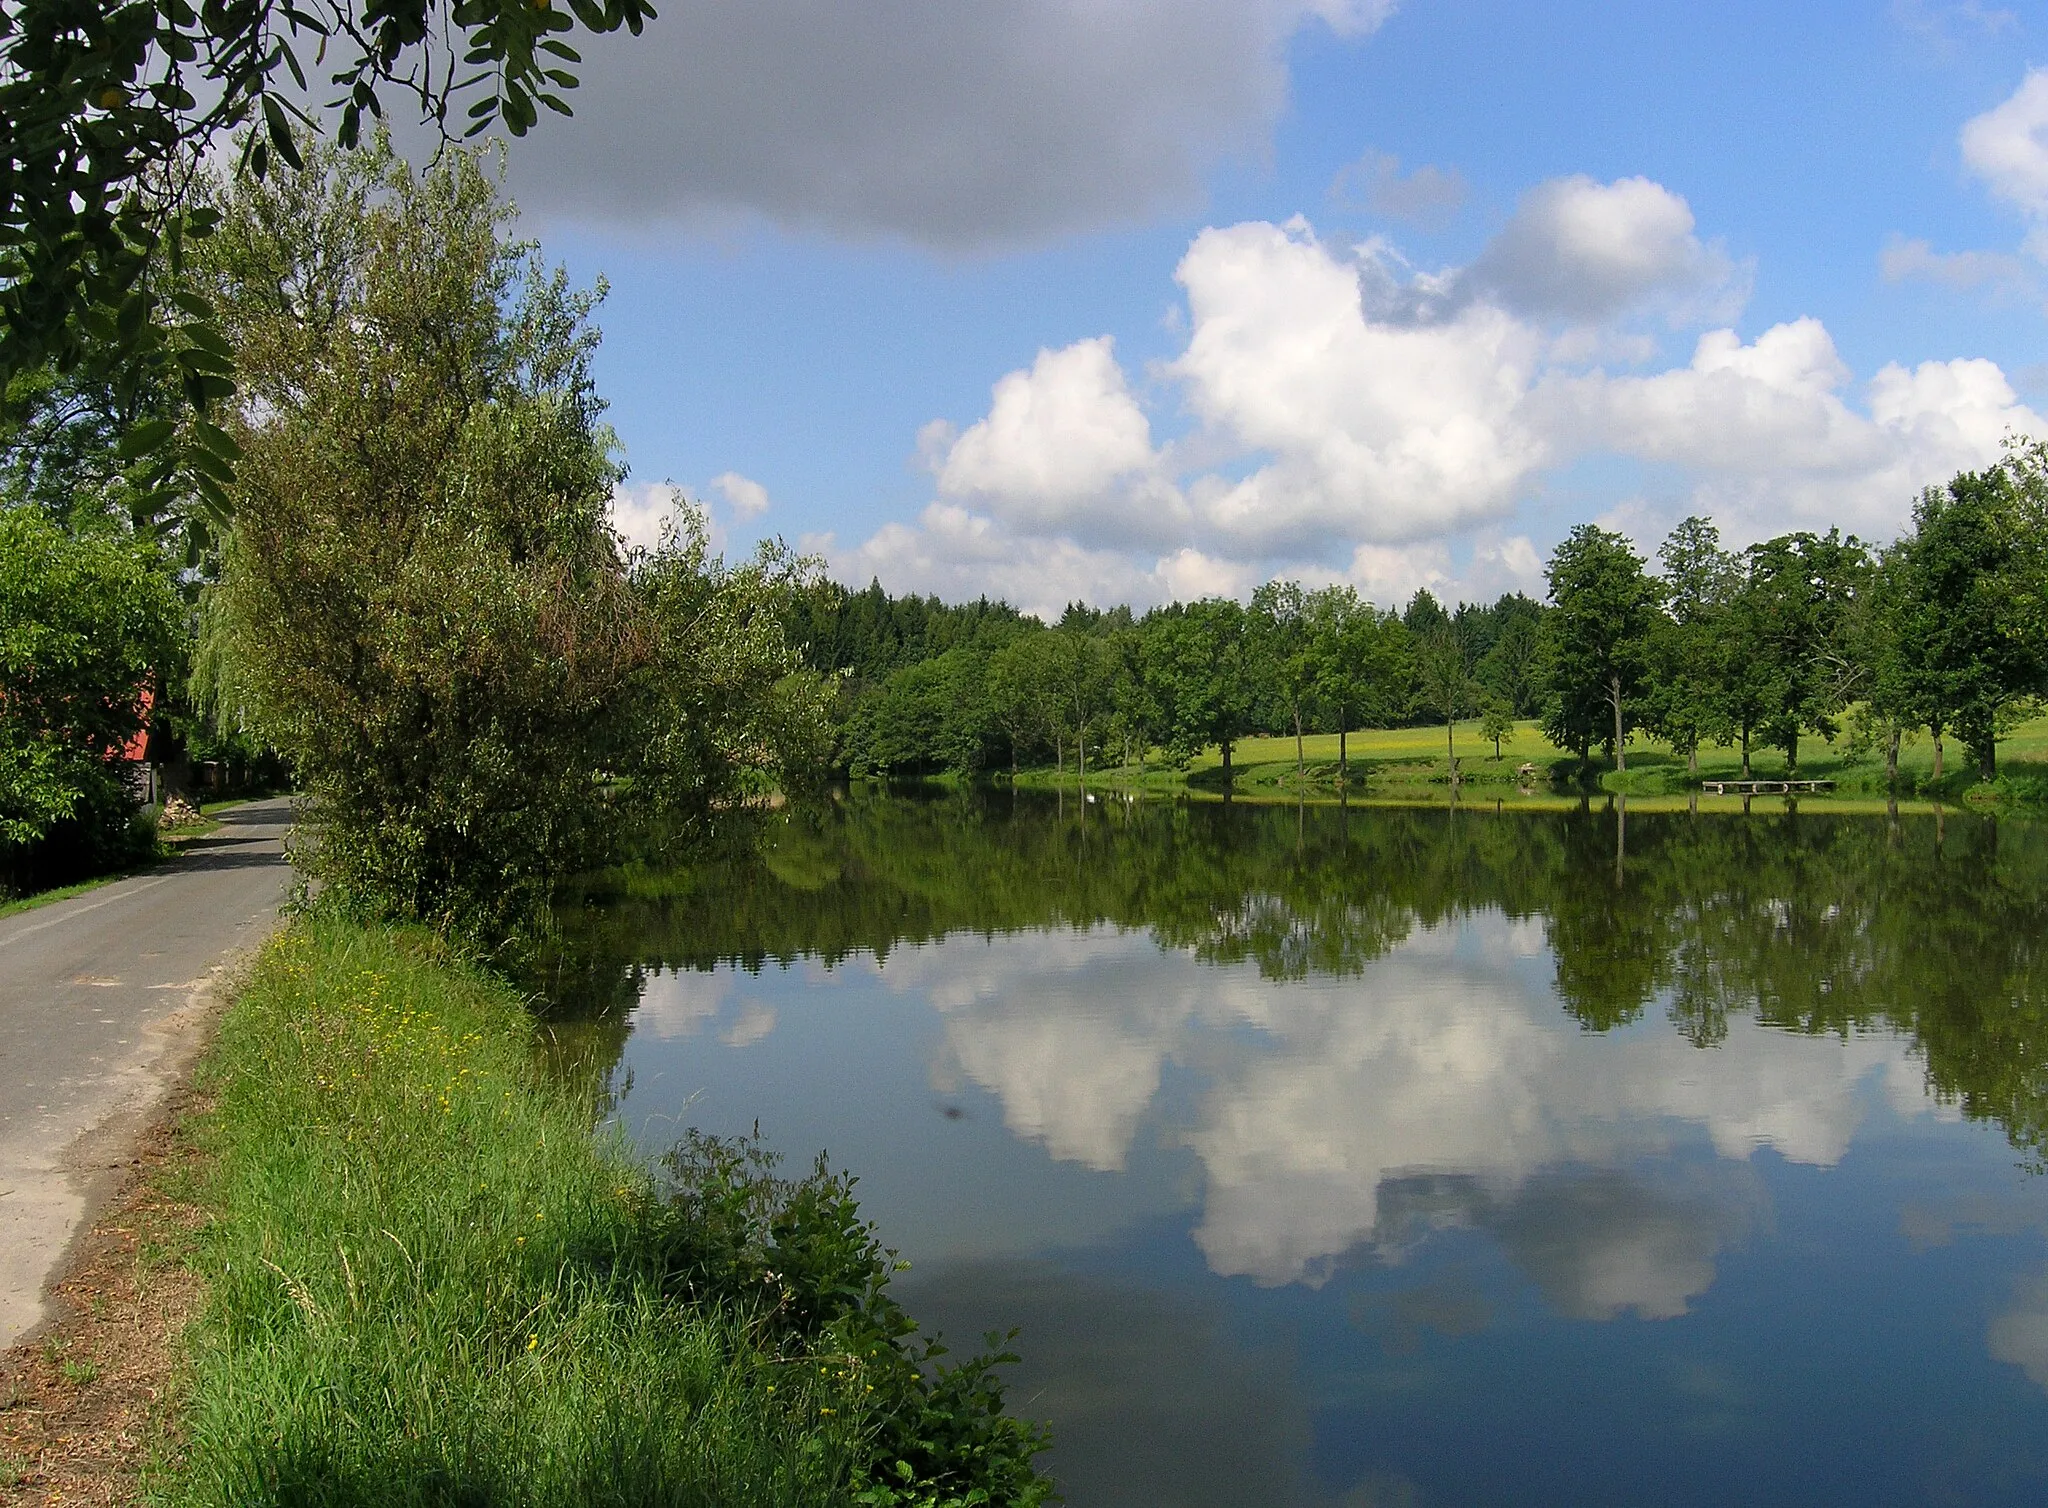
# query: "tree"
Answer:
x=1496 y=722
x=1969 y=626
x=1891 y=706
x=1690 y=647
x=1286 y=650
x=1792 y=638
x=422 y=602
x=107 y=112
x=1444 y=683
x=1357 y=659
x=89 y=632
x=1081 y=673
x=1423 y=613
x=1200 y=667
x=1509 y=666
x=1597 y=636
x=1016 y=692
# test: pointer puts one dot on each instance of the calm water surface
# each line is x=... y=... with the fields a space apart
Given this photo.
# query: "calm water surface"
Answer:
x=1407 y=1157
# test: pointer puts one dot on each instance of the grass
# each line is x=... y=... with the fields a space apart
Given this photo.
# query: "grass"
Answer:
x=431 y=1282
x=62 y=892
x=420 y=1270
x=1409 y=764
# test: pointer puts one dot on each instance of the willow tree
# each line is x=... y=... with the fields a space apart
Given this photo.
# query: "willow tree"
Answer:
x=422 y=601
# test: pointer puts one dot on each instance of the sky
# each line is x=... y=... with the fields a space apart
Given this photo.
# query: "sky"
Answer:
x=1135 y=300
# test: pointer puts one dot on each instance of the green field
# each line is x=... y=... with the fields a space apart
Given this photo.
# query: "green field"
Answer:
x=1410 y=764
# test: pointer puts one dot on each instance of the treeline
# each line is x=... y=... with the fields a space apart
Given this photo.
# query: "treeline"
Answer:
x=1802 y=635
x=926 y=687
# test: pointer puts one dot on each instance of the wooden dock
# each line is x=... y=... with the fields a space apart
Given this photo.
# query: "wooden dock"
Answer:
x=1765 y=787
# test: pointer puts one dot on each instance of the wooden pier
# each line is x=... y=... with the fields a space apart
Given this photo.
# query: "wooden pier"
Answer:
x=1765 y=787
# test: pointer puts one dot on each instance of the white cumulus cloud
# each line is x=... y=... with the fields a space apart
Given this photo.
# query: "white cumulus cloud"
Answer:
x=745 y=496
x=2007 y=146
x=1345 y=417
x=1061 y=440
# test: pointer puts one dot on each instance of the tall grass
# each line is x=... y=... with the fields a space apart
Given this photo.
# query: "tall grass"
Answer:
x=431 y=1283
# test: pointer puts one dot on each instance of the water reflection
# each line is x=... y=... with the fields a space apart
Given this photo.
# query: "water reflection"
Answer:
x=1323 y=1155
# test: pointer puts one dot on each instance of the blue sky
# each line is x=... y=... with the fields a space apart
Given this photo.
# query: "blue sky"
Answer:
x=1160 y=297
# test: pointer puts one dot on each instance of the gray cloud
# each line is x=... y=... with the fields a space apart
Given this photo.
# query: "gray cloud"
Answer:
x=1582 y=250
x=951 y=125
x=1426 y=195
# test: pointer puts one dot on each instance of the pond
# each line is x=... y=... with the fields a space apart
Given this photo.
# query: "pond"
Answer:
x=1419 y=1157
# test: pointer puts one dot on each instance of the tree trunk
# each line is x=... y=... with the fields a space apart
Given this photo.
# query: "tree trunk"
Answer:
x=1297 y=742
x=1987 y=760
x=1891 y=758
x=1692 y=762
x=1343 y=753
x=1937 y=754
x=1059 y=758
x=1081 y=753
x=1451 y=749
x=1745 y=751
x=1226 y=762
x=1614 y=696
x=1792 y=754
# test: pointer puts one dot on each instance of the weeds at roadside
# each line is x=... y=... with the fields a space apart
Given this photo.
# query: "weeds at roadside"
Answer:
x=431 y=1283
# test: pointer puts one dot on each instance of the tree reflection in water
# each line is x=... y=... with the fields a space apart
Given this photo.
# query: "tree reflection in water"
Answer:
x=1809 y=923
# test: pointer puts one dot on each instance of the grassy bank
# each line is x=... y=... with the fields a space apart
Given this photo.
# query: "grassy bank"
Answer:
x=430 y=1282
x=1411 y=764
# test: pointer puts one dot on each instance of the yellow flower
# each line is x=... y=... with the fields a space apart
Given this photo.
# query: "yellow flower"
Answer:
x=532 y=1341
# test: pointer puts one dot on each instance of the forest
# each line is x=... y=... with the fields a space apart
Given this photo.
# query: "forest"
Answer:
x=1937 y=633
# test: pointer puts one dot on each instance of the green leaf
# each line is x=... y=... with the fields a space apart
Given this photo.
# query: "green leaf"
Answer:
x=204 y=337
x=281 y=132
x=216 y=441
x=145 y=437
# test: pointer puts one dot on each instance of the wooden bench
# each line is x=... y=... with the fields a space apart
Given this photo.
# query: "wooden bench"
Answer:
x=1765 y=787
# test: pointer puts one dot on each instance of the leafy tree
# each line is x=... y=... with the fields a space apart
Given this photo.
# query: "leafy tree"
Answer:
x=1135 y=715
x=1892 y=707
x=1081 y=672
x=1792 y=638
x=90 y=630
x=107 y=112
x=1496 y=721
x=1444 y=681
x=1691 y=646
x=1598 y=638
x=422 y=601
x=1287 y=652
x=1017 y=696
x=1969 y=620
x=1360 y=663
x=1201 y=668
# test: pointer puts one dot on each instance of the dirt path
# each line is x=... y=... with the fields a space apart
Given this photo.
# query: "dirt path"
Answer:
x=103 y=1003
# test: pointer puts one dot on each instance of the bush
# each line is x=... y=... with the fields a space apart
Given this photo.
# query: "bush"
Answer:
x=86 y=626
